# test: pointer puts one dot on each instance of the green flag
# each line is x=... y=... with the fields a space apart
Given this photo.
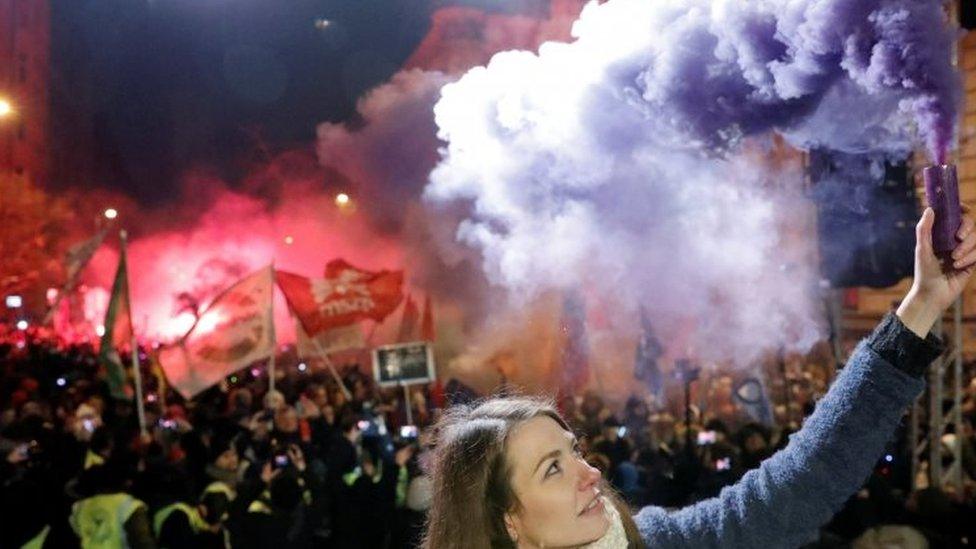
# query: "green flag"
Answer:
x=118 y=332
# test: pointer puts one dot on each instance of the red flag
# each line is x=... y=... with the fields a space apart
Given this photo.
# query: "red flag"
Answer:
x=408 y=324
x=346 y=295
x=427 y=322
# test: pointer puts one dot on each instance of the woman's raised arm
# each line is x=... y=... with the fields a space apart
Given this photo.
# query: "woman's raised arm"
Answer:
x=793 y=493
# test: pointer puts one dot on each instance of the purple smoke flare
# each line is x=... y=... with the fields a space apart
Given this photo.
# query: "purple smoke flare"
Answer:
x=616 y=162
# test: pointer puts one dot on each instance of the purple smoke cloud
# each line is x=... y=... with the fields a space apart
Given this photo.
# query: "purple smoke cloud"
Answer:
x=616 y=162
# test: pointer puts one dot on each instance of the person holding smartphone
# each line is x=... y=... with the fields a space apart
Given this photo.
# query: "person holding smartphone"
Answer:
x=508 y=473
x=281 y=515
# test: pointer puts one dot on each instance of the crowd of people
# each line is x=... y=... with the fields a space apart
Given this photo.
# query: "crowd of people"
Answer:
x=313 y=463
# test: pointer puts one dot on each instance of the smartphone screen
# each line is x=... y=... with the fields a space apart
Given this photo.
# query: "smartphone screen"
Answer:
x=706 y=437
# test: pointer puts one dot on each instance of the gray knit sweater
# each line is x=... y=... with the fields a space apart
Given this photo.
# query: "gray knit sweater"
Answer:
x=785 y=501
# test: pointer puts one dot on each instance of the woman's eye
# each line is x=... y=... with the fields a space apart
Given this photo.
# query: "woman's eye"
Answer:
x=553 y=469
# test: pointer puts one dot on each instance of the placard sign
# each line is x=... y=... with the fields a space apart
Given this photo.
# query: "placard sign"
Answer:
x=403 y=363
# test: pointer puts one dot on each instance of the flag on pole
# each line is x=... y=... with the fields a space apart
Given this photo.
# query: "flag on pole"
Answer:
x=408 y=322
x=346 y=295
x=118 y=332
x=81 y=253
x=234 y=331
x=427 y=322
x=74 y=261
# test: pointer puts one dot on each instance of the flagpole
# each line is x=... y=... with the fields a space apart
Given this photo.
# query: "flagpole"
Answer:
x=331 y=367
x=134 y=349
x=406 y=401
x=274 y=337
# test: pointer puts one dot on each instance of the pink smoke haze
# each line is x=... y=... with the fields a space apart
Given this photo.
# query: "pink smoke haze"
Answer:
x=238 y=235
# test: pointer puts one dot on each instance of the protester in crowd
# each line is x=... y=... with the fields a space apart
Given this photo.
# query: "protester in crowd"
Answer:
x=108 y=516
x=637 y=421
x=180 y=520
x=281 y=515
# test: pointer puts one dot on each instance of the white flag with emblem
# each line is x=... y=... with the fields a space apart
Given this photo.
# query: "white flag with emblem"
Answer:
x=234 y=331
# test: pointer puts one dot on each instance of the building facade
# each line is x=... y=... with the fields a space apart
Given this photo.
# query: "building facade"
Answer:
x=24 y=76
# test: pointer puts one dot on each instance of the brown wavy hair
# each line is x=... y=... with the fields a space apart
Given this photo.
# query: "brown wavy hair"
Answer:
x=472 y=487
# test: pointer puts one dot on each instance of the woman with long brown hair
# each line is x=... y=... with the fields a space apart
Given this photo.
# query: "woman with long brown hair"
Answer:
x=506 y=473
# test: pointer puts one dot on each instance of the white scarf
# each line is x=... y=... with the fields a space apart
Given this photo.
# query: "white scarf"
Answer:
x=616 y=536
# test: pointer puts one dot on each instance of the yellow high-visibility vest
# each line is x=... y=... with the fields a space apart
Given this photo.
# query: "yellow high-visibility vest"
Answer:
x=220 y=487
x=196 y=521
x=100 y=520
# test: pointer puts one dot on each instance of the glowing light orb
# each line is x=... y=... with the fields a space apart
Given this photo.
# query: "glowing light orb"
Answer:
x=342 y=199
x=6 y=108
x=111 y=213
x=22 y=325
x=61 y=382
x=289 y=240
x=302 y=367
x=99 y=330
x=255 y=372
x=14 y=301
x=322 y=23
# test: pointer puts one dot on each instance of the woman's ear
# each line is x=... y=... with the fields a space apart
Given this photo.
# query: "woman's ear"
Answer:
x=510 y=521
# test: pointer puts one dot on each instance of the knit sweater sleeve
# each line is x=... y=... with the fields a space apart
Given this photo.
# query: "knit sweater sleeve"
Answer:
x=798 y=489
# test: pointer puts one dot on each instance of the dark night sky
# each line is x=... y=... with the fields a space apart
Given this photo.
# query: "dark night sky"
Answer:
x=168 y=85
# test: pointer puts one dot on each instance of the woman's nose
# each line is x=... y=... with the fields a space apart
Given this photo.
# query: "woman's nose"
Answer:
x=588 y=475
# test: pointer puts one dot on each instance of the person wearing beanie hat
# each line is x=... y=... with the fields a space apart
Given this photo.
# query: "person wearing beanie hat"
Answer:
x=223 y=466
